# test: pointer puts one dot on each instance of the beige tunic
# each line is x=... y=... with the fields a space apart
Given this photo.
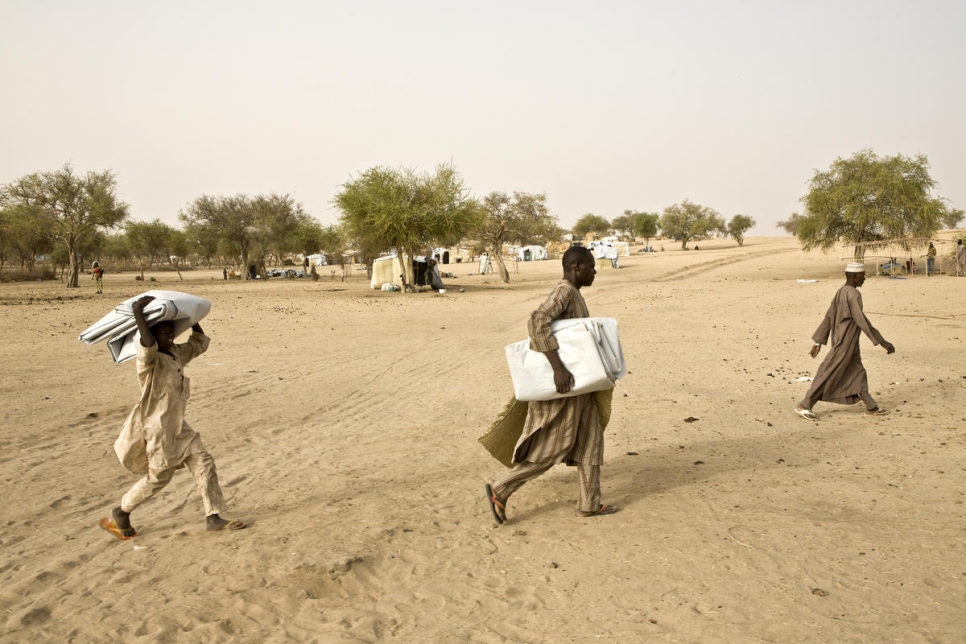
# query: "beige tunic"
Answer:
x=841 y=376
x=155 y=434
x=564 y=429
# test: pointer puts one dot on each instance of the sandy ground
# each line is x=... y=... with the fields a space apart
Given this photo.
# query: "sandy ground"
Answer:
x=344 y=425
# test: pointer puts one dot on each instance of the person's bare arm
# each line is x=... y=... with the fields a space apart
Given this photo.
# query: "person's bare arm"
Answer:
x=563 y=380
x=147 y=338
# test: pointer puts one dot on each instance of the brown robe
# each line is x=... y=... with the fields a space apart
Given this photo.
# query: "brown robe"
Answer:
x=563 y=429
x=841 y=376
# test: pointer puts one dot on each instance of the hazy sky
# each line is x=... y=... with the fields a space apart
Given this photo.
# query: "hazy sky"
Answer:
x=603 y=106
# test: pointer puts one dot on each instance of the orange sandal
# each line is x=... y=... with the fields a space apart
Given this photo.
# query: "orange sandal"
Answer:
x=123 y=534
x=604 y=509
x=497 y=507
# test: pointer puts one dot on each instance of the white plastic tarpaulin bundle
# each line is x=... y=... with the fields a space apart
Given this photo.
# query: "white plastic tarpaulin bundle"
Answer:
x=120 y=329
x=590 y=348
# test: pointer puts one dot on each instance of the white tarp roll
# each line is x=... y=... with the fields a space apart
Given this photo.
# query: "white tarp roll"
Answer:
x=590 y=348
x=120 y=329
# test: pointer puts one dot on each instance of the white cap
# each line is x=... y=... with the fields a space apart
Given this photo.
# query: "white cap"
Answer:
x=855 y=267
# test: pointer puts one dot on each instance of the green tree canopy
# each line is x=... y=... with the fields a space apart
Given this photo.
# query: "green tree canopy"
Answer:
x=75 y=207
x=276 y=222
x=951 y=218
x=148 y=240
x=385 y=209
x=522 y=219
x=26 y=234
x=791 y=224
x=738 y=226
x=230 y=220
x=116 y=246
x=624 y=224
x=591 y=223
x=687 y=220
x=868 y=201
x=646 y=225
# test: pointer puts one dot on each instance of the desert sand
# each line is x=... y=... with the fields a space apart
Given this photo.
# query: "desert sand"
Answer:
x=344 y=423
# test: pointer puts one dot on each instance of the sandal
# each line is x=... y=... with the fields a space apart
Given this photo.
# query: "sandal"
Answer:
x=878 y=411
x=121 y=533
x=497 y=507
x=807 y=414
x=603 y=509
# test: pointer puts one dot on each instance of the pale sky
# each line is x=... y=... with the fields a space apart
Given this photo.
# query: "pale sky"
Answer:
x=603 y=106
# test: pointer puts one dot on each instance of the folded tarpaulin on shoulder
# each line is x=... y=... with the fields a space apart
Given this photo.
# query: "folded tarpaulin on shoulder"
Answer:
x=120 y=329
x=590 y=348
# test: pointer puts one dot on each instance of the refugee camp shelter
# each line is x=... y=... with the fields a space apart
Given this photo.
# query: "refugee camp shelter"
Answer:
x=386 y=270
x=454 y=255
x=531 y=253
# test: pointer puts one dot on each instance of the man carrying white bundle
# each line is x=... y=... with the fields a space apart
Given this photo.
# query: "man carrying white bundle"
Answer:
x=563 y=429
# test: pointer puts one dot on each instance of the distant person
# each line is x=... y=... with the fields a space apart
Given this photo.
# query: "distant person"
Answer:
x=960 y=258
x=930 y=260
x=224 y=273
x=97 y=274
x=841 y=378
x=155 y=440
x=563 y=429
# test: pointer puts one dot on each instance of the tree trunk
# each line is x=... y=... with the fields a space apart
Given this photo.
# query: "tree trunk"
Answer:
x=501 y=267
x=73 y=281
x=859 y=253
x=407 y=257
x=684 y=243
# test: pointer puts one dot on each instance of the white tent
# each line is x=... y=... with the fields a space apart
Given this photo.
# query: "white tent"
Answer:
x=451 y=255
x=531 y=253
x=385 y=270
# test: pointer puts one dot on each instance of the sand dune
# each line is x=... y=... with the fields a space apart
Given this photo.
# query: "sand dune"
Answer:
x=344 y=425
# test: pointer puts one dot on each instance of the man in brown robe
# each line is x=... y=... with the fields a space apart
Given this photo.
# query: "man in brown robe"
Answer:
x=841 y=378
x=564 y=429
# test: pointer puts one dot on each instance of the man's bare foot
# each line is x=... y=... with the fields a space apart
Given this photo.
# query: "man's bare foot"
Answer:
x=119 y=524
x=214 y=523
x=602 y=510
x=122 y=520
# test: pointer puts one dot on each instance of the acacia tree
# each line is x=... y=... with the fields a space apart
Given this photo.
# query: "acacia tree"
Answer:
x=25 y=233
x=687 y=220
x=951 y=218
x=870 y=201
x=74 y=207
x=147 y=239
x=230 y=220
x=116 y=246
x=308 y=236
x=386 y=209
x=624 y=224
x=276 y=221
x=738 y=226
x=591 y=223
x=522 y=219
x=791 y=224
x=202 y=240
x=645 y=225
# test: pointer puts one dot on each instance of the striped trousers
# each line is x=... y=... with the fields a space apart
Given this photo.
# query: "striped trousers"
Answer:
x=526 y=471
